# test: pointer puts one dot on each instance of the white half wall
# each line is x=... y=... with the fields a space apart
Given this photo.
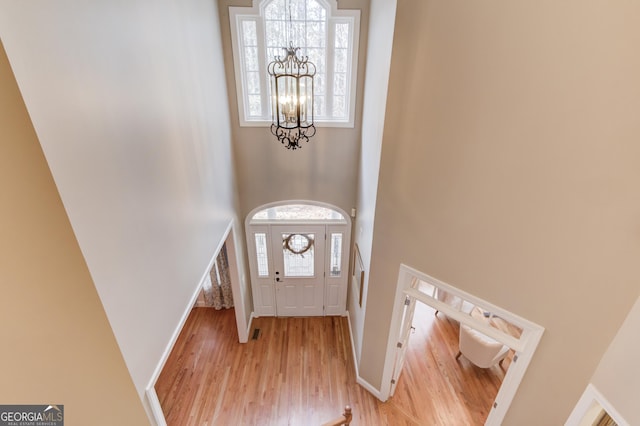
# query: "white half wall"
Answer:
x=128 y=99
x=381 y=26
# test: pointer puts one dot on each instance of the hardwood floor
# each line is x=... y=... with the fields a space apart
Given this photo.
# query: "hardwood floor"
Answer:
x=300 y=371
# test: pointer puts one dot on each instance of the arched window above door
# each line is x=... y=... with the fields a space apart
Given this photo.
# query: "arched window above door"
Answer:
x=298 y=212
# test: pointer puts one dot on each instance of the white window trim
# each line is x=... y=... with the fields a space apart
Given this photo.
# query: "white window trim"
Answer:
x=238 y=14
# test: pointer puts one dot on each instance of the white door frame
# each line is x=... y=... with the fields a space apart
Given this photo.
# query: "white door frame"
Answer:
x=524 y=347
x=236 y=288
x=592 y=398
x=262 y=286
x=401 y=352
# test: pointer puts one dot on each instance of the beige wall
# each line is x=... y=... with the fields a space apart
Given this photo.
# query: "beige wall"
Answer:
x=129 y=103
x=57 y=346
x=510 y=169
x=326 y=167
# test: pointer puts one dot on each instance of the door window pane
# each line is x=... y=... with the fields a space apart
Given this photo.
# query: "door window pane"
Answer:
x=336 y=255
x=261 y=254
x=298 y=254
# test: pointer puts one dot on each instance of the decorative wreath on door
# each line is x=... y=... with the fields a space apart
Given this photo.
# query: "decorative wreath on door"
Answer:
x=298 y=243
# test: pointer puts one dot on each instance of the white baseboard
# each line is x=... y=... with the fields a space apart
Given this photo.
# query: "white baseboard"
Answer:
x=174 y=338
x=353 y=346
x=153 y=405
x=370 y=388
x=251 y=317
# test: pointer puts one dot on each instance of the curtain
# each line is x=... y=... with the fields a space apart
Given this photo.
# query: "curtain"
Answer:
x=606 y=420
x=207 y=290
x=217 y=286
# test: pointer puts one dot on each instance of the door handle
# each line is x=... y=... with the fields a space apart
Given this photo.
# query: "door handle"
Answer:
x=278 y=279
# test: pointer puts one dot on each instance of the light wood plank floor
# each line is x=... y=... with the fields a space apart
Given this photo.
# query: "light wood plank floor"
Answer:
x=300 y=372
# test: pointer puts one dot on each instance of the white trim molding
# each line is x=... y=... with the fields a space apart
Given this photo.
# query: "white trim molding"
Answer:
x=334 y=221
x=524 y=347
x=157 y=416
x=362 y=382
x=590 y=399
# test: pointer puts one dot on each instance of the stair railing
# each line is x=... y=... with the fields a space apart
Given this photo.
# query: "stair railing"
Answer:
x=344 y=419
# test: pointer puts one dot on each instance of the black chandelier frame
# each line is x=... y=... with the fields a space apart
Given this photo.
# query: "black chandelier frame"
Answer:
x=292 y=79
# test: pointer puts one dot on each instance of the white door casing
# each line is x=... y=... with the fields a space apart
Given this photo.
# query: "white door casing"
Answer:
x=403 y=341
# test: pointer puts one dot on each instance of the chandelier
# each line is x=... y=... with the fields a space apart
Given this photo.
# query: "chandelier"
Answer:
x=292 y=96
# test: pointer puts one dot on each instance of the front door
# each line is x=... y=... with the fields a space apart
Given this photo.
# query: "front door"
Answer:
x=298 y=256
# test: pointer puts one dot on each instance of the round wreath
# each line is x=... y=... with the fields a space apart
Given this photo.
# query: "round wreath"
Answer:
x=286 y=243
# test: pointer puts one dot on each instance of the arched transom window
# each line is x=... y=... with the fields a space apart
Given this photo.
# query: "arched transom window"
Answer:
x=327 y=35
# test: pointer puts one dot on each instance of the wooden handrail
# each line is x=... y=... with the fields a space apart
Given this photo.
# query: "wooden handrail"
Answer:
x=345 y=419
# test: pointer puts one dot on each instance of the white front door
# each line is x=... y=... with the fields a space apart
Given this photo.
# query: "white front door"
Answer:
x=298 y=258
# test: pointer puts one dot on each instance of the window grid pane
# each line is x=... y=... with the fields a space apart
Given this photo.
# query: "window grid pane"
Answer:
x=251 y=58
x=276 y=35
x=249 y=32
x=341 y=60
x=255 y=105
x=339 y=107
x=261 y=254
x=307 y=30
x=315 y=12
x=316 y=34
x=340 y=84
x=253 y=83
x=320 y=105
x=318 y=57
x=342 y=36
x=275 y=9
x=335 y=267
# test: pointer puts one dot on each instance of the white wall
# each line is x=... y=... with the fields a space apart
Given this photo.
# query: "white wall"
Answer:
x=129 y=102
x=618 y=375
x=381 y=24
